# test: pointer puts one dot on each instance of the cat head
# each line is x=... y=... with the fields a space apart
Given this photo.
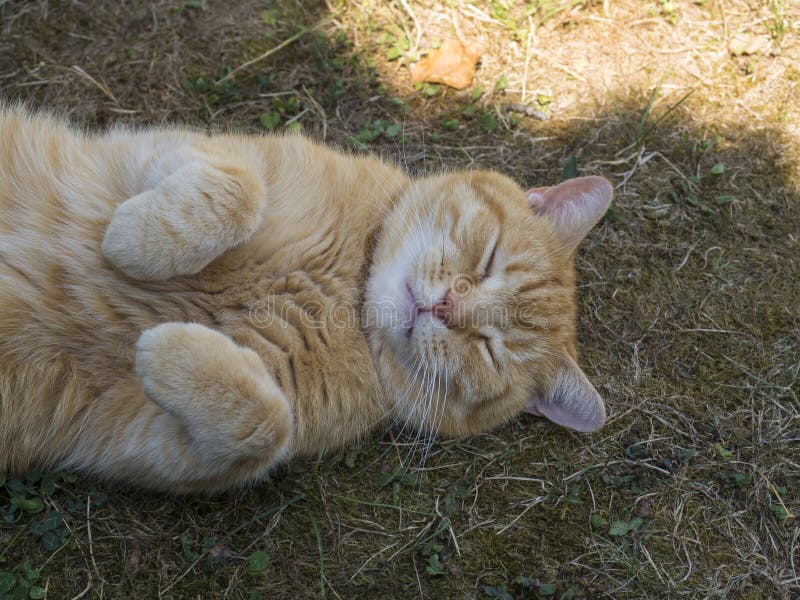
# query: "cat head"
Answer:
x=470 y=304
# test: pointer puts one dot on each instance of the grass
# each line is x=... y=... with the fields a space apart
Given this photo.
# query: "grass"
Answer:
x=690 y=314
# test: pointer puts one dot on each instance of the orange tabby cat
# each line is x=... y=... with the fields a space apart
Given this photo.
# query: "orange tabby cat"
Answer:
x=183 y=312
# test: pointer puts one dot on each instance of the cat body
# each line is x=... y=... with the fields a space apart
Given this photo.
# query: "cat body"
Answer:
x=183 y=312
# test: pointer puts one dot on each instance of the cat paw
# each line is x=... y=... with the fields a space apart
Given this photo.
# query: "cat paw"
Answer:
x=142 y=242
x=221 y=390
x=166 y=357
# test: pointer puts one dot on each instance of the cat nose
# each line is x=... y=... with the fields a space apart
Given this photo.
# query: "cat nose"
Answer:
x=443 y=310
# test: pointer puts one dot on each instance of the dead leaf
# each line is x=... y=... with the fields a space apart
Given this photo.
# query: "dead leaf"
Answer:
x=452 y=64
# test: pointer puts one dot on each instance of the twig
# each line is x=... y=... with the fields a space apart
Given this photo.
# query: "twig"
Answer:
x=320 y=111
x=382 y=505
x=457 y=27
x=366 y=562
x=85 y=590
x=419 y=582
x=706 y=330
x=297 y=116
x=417 y=27
x=272 y=51
x=91 y=542
x=534 y=502
x=330 y=585
x=101 y=86
x=531 y=31
x=558 y=66
x=685 y=259
x=449 y=528
x=236 y=530
x=321 y=556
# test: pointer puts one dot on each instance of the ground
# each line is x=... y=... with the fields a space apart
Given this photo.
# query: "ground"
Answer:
x=690 y=317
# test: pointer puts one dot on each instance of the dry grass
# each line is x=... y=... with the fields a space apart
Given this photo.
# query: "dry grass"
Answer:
x=690 y=311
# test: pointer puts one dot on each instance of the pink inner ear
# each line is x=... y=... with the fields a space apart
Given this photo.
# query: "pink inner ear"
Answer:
x=561 y=415
x=573 y=206
x=570 y=400
x=536 y=198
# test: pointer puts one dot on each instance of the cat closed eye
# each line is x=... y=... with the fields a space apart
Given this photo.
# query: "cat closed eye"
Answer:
x=487 y=269
x=489 y=355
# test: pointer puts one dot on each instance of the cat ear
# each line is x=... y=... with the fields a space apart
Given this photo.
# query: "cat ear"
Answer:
x=571 y=400
x=574 y=206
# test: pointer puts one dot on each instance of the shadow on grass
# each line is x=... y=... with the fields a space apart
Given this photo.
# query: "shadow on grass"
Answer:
x=689 y=328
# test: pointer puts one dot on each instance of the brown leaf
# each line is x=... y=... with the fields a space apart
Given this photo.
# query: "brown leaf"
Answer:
x=452 y=64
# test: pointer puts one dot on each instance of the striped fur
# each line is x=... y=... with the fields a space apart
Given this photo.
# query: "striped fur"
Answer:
x=183 y=312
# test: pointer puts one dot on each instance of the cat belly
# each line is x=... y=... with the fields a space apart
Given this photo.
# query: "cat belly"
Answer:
x=308 y=334
x=69 y=324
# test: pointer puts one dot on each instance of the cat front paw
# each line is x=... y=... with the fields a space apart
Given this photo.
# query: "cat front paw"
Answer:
x=194 y=359
x=132 y=242
x=145 y=241
x=221 y=391
x=165 y=359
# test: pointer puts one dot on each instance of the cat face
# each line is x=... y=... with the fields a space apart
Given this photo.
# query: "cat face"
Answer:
x=470 y=303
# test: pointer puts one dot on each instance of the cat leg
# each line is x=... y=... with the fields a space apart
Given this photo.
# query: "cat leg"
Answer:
x=198 y=206
x=210 y=415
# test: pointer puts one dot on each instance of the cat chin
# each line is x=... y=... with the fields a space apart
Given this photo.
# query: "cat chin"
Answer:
x=390 y=309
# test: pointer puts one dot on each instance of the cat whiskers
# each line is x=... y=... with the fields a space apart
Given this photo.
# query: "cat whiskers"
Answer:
x=422 y=403
x=406 y=421
x=396 y=407
x=428 y=404
x=397 y=420
x=436 y=423
x=431 y=431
